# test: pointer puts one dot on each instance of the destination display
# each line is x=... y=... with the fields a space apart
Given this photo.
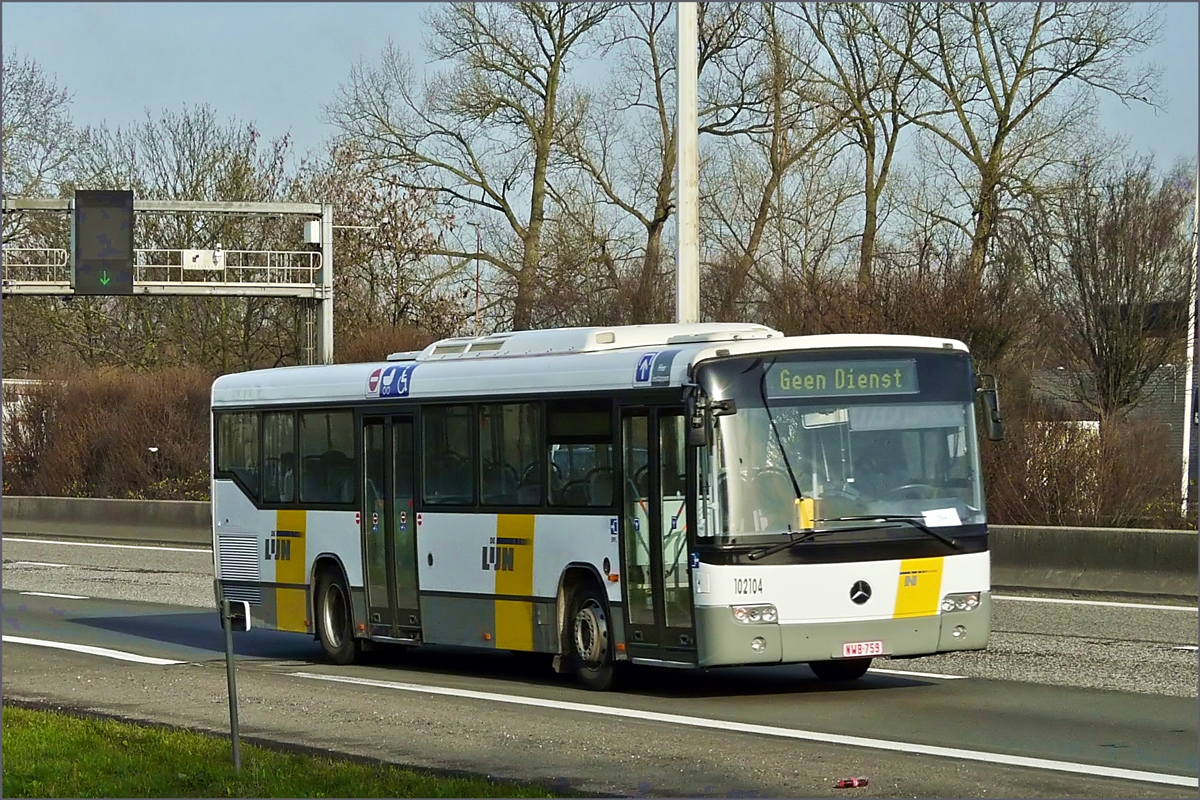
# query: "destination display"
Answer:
x=842 y=378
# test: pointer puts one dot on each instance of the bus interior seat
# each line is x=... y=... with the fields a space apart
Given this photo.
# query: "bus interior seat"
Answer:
x=600 y=485
x=573 y=493
x=498 y=485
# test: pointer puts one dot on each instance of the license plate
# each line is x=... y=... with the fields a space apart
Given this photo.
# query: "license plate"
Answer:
x=857 y=649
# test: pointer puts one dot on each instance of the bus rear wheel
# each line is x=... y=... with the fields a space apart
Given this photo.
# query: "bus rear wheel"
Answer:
x=335 y=623
x=589 y=641
x=842 y=670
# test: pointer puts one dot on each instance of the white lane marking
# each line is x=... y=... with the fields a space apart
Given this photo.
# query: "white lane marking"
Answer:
x=95 y=651
x=769 y=730
x=1191 y=647
x=917 y=674
x=1106 y=603
x=114 y=546
x=59 y=596
x=38 y=564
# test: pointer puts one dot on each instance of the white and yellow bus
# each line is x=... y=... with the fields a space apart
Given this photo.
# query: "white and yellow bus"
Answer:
x=674 y=495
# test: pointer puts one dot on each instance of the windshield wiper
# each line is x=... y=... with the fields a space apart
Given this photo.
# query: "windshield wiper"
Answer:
x=793 y=540
x=787 y=462
x=914 y=521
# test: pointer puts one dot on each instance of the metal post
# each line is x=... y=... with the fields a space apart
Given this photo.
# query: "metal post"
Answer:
x=325 y=302
x=229 y=673
x=1188 y=410
x=687 y=263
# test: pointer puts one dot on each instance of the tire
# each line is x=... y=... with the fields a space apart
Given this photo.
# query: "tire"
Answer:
x=335 y=622
x=588 y=640
x=848 y=669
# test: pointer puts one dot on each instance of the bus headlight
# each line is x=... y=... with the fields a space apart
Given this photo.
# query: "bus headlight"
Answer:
x=753 y=615
x=967 y=601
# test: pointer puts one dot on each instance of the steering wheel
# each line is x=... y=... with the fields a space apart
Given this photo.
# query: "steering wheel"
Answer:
x=912 y=491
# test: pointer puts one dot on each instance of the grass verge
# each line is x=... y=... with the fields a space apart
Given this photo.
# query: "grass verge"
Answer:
x=51 y=754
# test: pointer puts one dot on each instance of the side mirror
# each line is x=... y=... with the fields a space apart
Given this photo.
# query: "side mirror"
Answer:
x=992 y=421
x=696 y=418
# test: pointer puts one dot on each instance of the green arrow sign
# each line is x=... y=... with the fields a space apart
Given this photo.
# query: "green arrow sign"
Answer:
x=104 y=279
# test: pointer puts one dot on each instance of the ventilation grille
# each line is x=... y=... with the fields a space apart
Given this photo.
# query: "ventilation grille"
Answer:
x=238 y=557
x=251 y=594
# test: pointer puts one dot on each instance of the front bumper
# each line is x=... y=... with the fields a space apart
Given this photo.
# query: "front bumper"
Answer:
x=724 y=641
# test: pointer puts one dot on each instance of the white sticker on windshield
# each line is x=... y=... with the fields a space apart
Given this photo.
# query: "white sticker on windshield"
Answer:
x=941 y=517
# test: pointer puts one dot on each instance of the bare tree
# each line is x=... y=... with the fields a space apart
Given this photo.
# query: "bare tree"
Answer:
x=626 y=144
x=872 y=81
x=382 y=279
x=771 y=111
x=39 y=137
x=1016 y=82
x=1113 y=254
x=483 y=134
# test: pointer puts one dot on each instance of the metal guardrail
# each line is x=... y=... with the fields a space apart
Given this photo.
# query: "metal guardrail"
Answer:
x=1133 y=561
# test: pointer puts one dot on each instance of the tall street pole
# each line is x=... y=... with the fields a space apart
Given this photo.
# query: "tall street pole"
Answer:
x=1189 y=385
x=687 y=261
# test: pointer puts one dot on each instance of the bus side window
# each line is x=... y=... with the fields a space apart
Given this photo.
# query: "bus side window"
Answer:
x=448 y=462
x=580 y=453
x=326 y=457
x=237 y=448
x=509 y=446
x=279 y=457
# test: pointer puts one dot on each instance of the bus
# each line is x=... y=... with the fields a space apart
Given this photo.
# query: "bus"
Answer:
x=679 y=495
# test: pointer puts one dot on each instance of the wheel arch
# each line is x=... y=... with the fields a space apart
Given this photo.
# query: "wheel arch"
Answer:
x=329 y=562
x=575 y=575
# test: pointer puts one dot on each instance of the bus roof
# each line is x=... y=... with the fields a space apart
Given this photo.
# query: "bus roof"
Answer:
x=565 y=360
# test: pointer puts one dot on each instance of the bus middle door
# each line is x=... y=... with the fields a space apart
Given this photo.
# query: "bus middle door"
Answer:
x=389 y=528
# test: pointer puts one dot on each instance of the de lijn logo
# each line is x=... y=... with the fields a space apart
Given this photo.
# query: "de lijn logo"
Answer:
x=501 y=554
x=278 y=546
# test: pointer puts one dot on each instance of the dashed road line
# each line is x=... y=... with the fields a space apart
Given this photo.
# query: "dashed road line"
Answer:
x=113 y=546
x=59 y=596
x=1105 y=603
x=120 y=655
x=909 y=674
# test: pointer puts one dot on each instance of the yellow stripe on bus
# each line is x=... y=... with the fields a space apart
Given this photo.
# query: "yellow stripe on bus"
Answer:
x=919 y=587
x=291 y=607
x=514 y=576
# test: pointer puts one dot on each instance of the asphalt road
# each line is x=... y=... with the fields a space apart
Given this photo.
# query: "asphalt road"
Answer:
x=1101 y=689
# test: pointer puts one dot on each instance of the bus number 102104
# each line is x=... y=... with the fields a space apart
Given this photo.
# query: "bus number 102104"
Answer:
x=747 y=585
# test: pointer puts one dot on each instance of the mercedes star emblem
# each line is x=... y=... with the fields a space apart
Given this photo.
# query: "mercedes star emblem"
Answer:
x=860 y=592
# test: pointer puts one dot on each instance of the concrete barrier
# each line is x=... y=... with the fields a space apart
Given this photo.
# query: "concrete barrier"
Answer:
x=1132 y=561
x=1127 y=560
x=135 y=521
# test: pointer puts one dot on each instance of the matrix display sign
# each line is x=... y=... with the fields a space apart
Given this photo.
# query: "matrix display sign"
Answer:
x=842 y=378
x=103 y=242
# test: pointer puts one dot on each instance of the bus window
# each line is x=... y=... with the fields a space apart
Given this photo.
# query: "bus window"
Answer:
x=447 y=456
x=327 y=457
x=279 y=457
x=237 y=447
x=509 y=444
x=580 y=453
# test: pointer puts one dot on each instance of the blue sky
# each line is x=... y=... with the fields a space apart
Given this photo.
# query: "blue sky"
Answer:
x=278 y=63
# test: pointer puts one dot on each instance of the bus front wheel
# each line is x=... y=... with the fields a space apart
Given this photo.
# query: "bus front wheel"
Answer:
x=588 y=637
x=843 y=670
x=335 y=623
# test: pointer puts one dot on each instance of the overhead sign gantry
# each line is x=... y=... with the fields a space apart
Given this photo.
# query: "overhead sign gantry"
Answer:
x=102 y=259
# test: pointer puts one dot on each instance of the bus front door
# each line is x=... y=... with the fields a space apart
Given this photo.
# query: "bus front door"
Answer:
x=657 y=578
x=389 y=529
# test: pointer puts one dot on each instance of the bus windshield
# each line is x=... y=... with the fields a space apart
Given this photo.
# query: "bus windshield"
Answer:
x=877 y=435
